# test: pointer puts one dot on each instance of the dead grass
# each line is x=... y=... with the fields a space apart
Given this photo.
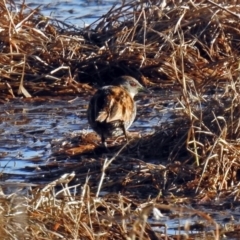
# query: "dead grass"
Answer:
x=57 y=211
x=189 y=46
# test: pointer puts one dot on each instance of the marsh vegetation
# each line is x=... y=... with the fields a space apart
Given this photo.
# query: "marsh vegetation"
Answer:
x=193 y=161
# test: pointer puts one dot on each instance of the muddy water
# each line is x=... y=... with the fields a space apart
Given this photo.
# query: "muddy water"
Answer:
x=29 y=127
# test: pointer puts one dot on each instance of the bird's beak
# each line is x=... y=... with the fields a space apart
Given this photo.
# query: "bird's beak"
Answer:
x=144 y=90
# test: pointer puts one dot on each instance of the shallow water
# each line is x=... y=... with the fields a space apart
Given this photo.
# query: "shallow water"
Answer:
x=77 y=12
x=28 y=128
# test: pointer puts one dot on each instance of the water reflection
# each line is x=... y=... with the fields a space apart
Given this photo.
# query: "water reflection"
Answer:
x=77 y=12
x=29 y=129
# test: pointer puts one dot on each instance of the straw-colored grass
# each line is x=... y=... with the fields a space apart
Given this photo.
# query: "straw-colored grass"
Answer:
x=192 y=45
x=188 y=46
x=57 y=211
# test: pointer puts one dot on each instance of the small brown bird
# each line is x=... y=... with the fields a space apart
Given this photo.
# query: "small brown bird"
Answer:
x=112 y=110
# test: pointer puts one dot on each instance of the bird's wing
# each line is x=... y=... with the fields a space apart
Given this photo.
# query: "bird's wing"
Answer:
x=113 y=104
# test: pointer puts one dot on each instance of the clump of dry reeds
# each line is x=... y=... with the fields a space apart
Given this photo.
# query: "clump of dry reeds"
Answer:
x=189 y=44
x=58 y=211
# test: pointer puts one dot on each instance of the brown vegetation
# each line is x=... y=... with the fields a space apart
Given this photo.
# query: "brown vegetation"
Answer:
x=189 y=46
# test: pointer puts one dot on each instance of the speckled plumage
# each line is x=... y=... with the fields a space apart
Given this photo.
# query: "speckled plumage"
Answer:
x=112 y=110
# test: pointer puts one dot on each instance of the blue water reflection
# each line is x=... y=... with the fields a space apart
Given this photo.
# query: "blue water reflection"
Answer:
x=78 y=12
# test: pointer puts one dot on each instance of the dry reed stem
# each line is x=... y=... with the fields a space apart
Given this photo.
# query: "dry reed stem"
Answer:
x=56 y=211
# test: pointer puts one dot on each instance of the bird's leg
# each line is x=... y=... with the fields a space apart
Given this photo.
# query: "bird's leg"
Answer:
x=104 y=141
x=126 y=136
x=125 y=131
